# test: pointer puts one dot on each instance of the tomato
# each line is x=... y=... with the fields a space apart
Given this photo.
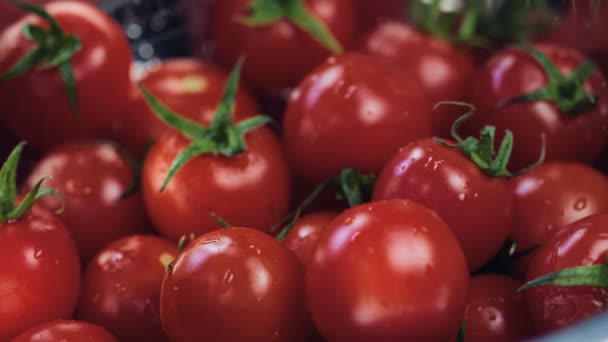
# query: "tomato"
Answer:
x=10 y=13
x=495 y=311
x=40 y=111
x=443 y=71
x=296 y=50
x=382 y=271
x=349 y=97
x=92 y=177
x=551 y=197
x=121 y=287
x=66 y=331
x=513 y=72
x=191 y=87
x=583 y=242
x=373 y=13
x=304 y=235
x=235 y=284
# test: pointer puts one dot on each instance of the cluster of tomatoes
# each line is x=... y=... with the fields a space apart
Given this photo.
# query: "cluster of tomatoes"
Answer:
x=423 y=182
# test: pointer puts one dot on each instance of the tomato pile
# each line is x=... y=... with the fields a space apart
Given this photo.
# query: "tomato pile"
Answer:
x=441 y=178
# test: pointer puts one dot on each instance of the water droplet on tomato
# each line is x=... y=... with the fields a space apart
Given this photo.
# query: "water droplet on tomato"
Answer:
x=580 y=204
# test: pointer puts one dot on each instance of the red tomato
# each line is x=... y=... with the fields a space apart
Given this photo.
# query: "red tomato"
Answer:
x=235 y=284
x=294 y=52
x=584 y=242
x=192 y=88
x=92 y=177
x=40 y=275
x=476 y=207
x=39 y=108
x=551 y=197
x=513 y=72
x=352 y=112
x=443 y=71
x=66 y=331
x=496 y=312
x=304 y=235
x=10 y=12
x=372 y=13
x=382 y=271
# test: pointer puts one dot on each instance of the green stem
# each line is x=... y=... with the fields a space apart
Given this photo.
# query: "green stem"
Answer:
x=591 y=275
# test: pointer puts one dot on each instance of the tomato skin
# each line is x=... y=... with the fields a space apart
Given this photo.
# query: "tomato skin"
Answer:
x=40 y=279
x=304 y=235
x=371 y=14
x=68 y=331
x=477 y=208
x=551 y=197
x=512 y=72
x=235 y=284
x=91 y=176
x=40 y=112
x=121 y=288
x=583 y=242
x=296 y=49
x=443 y=71
x=251 y=188
x=362 y=286
x=495 y=311
x=349 y=97
x=190 y=87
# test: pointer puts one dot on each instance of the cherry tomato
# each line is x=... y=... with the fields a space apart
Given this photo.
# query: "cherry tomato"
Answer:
x=296 y=50
x=514 y=72
x=352 y=112
x=39 y=108
x=382 y=271
x=443 y=71
x=121 y=288
x=304 y=235
x=92 y=177
x=584 y=242
x=495 y=311
x=235 y=284
x=477 y=208
x=66 y=331
x=10 y=13
x=40 y=276
x=190 y=87
x=551 y=197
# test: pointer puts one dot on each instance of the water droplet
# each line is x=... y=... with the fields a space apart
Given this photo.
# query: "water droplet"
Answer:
x=175 y=288
x=355 y=236
x=228 y=277
x=349 y=220
x=37 y=253
x=580 y=204
x=119 y=288
x=461 y=196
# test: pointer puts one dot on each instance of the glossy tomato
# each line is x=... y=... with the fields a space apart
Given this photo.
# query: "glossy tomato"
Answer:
x=235 y=284
x=92 y=178
x=584 y=242
x=39 y=108
x=352 y=112
x=382 y=271
x=304 y=235
x=514 y=72
x=294 y=52
x=551 y=197
x=66 y=331
x=443 y=71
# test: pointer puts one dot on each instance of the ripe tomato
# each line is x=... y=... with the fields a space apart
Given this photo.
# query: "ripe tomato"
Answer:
x=296 y=50
x=92 y=177
x=121 y=288
x=191 y=87
x=68 y=331
x=352 y=112
x=550 y=198
x=382 y=271
x=584 y=242
x=443 y=71
x=304 y=235
x=235 y=284
x=514 y=72
x=495 y=311
x=40 y=110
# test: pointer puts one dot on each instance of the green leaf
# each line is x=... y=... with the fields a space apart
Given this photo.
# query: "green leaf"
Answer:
x=221 y=221
x=196 y=148
x=25 y=64
x=34 y=32
x=355 y=187
x=31 y=197
x=262 y=13
x=225 y=109
x=8 y=181
x=462 y=332
x=67 y=49
x=591 y=275
x=303 y=18
x=39 y=11
x=545 y=93
x=66 y=72
x=555 y=76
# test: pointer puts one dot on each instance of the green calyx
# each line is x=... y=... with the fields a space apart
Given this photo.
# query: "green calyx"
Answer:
x=54 y=49
x=462 y=332
x=9 y=210
x=481 y=151
x=223 y=137
x=568 y=93
x=266 y=12
x=591 y=275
